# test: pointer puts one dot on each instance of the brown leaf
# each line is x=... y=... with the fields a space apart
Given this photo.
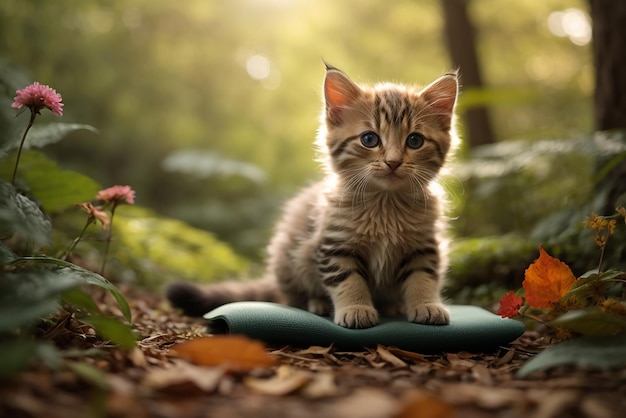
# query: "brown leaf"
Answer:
x=286 y=381
x=390 y=358
x=482 y=375
x=237 y=352
x=506 y=358
x=317 y=350
x=322 y=386
x=407 y=354
x=137 y=357
x=365 y=402
x=183 y=374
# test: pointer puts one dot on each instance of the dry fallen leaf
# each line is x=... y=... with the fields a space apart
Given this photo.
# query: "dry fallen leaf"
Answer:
x=314 y=349
x=390 y=358
x=482 y=375
x=286 y=381
x=237 y=352
x=417 y=357
x=183 y=374
x=322 y=386
x=365 y=402
x=547 y=280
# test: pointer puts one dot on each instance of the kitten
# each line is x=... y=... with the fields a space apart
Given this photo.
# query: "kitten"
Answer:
x=369 y=237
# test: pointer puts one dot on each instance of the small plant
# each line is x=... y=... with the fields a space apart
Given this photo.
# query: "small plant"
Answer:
x=588 y=311
x=592 y=304
x=37 y=289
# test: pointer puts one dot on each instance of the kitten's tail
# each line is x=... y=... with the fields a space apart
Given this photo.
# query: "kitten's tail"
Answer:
x=195 y=300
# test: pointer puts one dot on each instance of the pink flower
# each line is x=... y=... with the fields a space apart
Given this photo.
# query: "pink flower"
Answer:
x=117 y=194
x=96 y=213
x=37 y=96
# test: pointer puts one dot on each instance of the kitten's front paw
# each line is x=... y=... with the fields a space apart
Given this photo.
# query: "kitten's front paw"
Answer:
x=356 y=316
x=429 y=313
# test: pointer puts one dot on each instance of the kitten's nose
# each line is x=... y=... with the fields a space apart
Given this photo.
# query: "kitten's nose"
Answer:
x=393 y=164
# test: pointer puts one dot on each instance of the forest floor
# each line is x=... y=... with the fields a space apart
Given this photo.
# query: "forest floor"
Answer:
x=304 y=381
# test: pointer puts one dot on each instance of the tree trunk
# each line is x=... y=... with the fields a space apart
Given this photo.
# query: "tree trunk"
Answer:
x=461 y=40
x=609 y=56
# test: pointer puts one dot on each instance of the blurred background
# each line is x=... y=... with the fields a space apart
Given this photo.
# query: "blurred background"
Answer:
x=208 y=109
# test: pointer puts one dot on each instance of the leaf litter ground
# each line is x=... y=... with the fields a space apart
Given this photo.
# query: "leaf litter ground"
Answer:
x=165 y=376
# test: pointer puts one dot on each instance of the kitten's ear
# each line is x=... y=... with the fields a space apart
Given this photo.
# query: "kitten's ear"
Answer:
x=339 y=92
x=441 y=95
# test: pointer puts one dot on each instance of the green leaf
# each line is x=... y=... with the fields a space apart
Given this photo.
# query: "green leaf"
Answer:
x=39 y=135
x=85 y=276
x=33 y=228
x=78 y=353
x=27 y=295
x=591 y=321
x=610 y=165
x=597 y=353
x=6 y=256
x=79 y=299
x=111 y=329
x=15 y=356
x=22 y=221
x=42 y=135
x=612 y=275
x=50 y=355
x=56 y=189
x=89 y=373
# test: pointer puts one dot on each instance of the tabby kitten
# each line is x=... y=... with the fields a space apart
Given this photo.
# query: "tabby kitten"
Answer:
x=369 y=237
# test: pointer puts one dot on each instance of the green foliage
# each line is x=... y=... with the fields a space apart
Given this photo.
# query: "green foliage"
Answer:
x=17 y=353
x=29 y=294
x=210 y=164
x=22 y=223
x=33 y=287
x=157 y=76
x=111 y=329
x=542 y=190
x=82 y=276
x=56 y=189
x=599 y=353
x=160 y=249
x=40 y=136
x=480 y=268
x=591 y=321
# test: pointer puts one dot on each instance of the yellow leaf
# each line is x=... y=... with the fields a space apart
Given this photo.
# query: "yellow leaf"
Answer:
x=547 y=280
x=237 y=352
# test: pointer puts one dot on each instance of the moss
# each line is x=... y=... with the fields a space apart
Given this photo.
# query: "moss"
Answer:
x=482 y=267
x=161 y=248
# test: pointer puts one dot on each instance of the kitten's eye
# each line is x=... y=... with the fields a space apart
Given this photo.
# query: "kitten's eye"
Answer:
x=369 y=139
x=415 y=140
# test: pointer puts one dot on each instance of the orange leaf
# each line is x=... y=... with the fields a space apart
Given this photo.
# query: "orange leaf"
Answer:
x=239 y=353
x=426 y=405
x=547 y=280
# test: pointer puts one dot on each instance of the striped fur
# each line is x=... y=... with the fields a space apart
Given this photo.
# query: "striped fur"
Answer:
x=370 y=238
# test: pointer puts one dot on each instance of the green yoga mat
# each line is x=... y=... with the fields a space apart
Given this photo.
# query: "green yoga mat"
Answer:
x=471 y=329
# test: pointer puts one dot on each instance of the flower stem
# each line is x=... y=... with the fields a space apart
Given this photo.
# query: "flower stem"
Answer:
x=19 y=151
x=108 y=244
x=601 y=259
x=74 y=243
